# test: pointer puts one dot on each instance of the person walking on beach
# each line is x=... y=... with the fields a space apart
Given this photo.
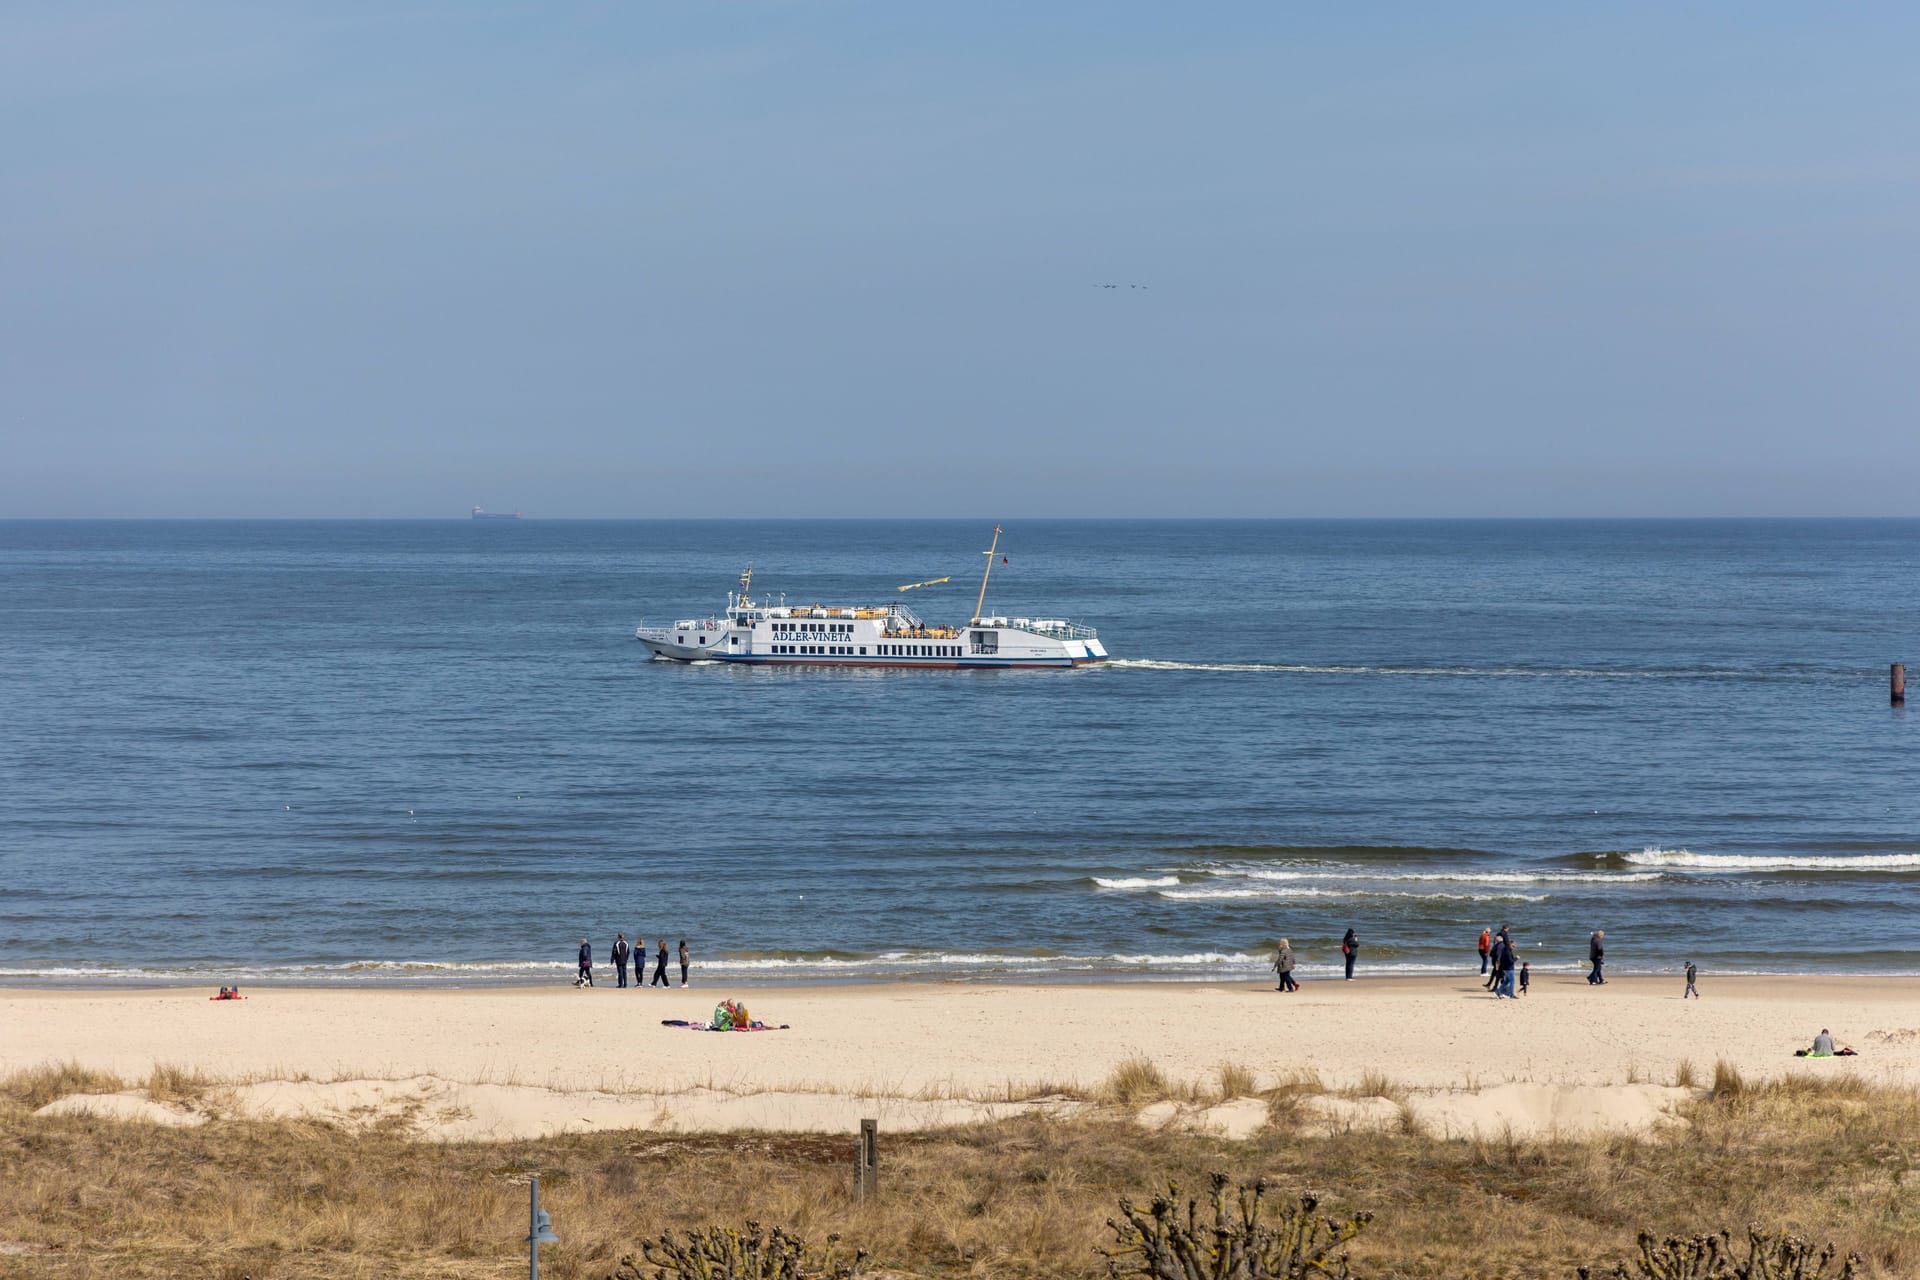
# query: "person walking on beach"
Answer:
x=1692 y=974
x=1283 y=965
x=620 y=953
x=1486 y=946
x=585 y=977
x=1503 y=965
x=1524 y=975
x=1350 y=948
x=660 y=966
x=1597 y=953
x=1493 y=979
x=685 y=961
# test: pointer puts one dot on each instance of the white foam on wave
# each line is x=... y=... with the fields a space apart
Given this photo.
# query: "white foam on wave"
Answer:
x=1136 y=882
x=1228 y=895
x=1442 y=877
x=1326 y=669
x=1653 y=856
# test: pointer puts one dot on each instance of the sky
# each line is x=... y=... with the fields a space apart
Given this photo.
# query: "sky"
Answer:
x=846 y=259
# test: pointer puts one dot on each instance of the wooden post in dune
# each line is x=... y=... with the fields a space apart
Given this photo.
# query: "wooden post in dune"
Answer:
x=866 y=1159
x=1899 y=684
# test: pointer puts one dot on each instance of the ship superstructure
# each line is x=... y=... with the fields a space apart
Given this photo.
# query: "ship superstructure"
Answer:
x=885 y=635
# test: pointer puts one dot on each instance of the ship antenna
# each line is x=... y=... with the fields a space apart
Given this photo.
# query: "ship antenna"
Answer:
x=746 y=583
x=981 y=603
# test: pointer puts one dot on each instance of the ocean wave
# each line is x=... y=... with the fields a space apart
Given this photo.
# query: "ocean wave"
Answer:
x=1228 y=895
x=1136 y=882
x=1441 y=877
x=1389 y=669
x=1774 y=862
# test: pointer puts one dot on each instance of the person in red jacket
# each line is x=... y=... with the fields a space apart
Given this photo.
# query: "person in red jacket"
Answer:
x=1486 y=947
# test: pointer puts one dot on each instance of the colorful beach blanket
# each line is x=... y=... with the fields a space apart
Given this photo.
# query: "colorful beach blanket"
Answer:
x=728 y=1015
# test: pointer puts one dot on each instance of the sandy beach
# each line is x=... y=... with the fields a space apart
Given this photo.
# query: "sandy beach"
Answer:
x=529 y=1061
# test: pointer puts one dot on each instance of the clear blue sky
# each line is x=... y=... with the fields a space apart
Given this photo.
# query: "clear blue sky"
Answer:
x=841 y=258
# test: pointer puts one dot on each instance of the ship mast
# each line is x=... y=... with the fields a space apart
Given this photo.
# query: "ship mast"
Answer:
x=981 y=603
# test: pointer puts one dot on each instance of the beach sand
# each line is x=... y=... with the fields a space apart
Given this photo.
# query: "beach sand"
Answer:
x=461 y=1064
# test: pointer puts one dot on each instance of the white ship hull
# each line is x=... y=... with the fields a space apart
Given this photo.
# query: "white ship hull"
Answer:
x=843 y=638
x=693 y=640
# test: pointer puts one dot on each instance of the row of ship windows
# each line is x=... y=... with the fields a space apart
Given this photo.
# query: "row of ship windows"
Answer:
x=886 y=650
x=836 y=628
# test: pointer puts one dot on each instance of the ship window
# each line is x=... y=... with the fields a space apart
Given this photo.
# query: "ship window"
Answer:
x=700 y=639
x=682 y=639
x=863 y=650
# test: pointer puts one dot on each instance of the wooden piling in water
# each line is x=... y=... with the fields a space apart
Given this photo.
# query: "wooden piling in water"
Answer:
x=1899 y=684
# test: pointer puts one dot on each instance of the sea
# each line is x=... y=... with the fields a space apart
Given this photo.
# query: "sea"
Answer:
x=432 y=753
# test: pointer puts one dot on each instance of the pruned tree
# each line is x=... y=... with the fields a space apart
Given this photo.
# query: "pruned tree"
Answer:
x=1774 y=1255
x=1242 y=1242
x=729 y=1253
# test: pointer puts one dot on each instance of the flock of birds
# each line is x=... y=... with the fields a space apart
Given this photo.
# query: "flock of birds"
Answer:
x=1115 y=286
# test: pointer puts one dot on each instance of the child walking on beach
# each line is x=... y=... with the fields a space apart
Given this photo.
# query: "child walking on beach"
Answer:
x=684 y=961
x=1525 y=974
x=1692 y=973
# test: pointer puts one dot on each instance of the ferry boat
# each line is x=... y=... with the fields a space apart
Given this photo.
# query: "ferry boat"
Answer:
x=761 y=633
x=481 y=513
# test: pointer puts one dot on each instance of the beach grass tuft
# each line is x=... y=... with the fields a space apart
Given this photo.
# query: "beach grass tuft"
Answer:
x=1136 y=1082
x=35 y=1087
x=1235 y=1080
x=1377 y=1084
x=177 y=1085
x=1684 y=1076
x=1728 y=1084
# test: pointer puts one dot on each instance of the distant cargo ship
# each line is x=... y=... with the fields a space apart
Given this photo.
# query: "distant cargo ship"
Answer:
x=481 y=513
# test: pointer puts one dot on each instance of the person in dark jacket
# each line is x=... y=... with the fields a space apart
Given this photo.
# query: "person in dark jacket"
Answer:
x=620 y=953
x=1693 y=976
x=660 y=966
x=1493 y=978
x=1597 y=953
x=1509 y=961
x=1350 y=948
x=685 y=962
x=585 y=978
x=1525 y=975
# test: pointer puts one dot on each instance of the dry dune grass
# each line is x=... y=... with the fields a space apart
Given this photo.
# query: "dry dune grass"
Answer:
x=1025 y=1198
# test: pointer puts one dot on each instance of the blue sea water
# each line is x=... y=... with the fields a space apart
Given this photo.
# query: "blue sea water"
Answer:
x=432 y=752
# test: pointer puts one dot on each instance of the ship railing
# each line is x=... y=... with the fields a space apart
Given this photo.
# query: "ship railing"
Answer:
x=1054 y=629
